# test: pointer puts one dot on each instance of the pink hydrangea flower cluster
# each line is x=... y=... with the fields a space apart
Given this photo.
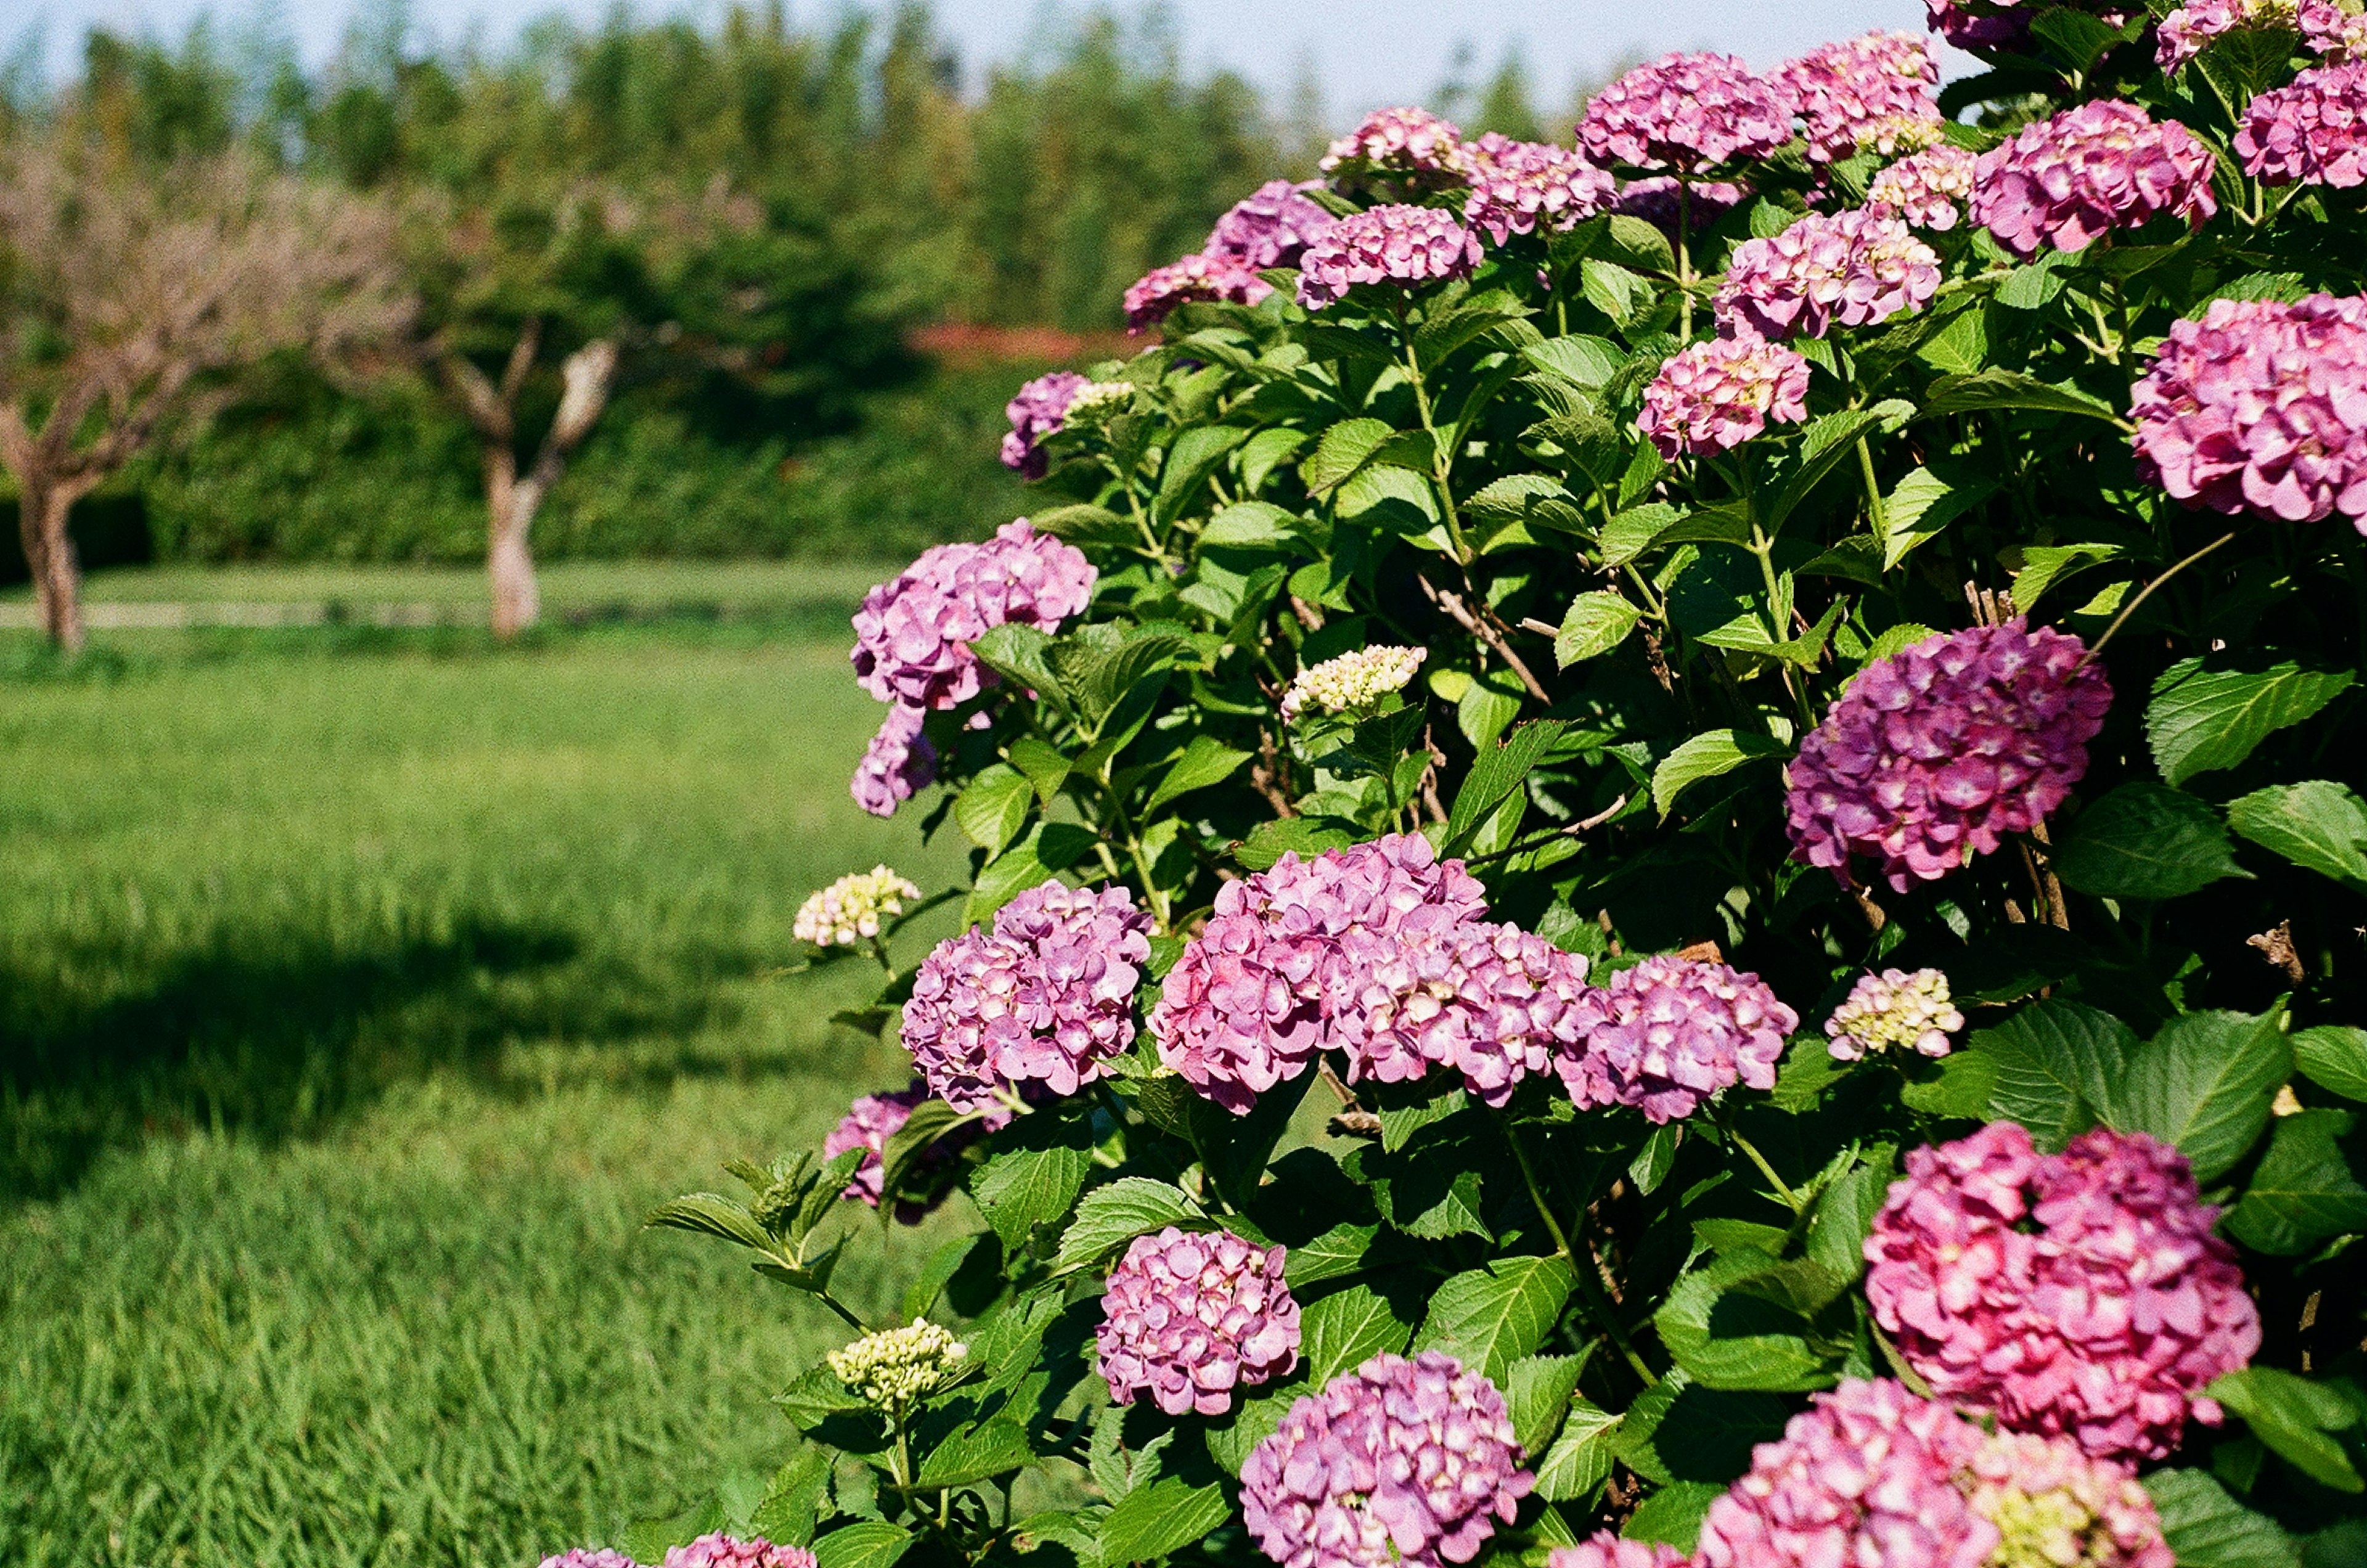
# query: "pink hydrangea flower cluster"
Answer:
x=1034 y=413
x=1270 y=226
x=2000 y=25
x=1655 y=200
x=1924 y=189
x=899 y=762
x=2068 y=181
x=1866 y=1476
x=1687 y=112
x=720 y=1551
x=1519 y=187
x=1411 y=146
x=1895 y=1010
x=1862 y=89
x=874 y=1119
x=1494 y=1002
x=1047 y=997
x=1670 y=1033
x=1855 y=267
x=1603 y=1550
x=2313 y=131
x=1398 y=1462
x=1715 y=395
x=2329 y=28
x=1152 y=298
x=2079 y=1295
x=1394 y=243
x=1188 y=1317
x=1935 y=754
x=2187 y=31
x=2260 y=406
x=1244 y=1007
x=912 y=636
x=590 y=1557
x=2053 y=1505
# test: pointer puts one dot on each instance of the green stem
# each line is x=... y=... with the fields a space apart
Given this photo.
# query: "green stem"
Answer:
x=1684 y=261
x=1581 y=1265
x=1441 y=465
x=1791 y=1200
x=1873 y=491
x=2146 y=592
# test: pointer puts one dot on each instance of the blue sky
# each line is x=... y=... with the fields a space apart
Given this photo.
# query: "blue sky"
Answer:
x=1365 y=51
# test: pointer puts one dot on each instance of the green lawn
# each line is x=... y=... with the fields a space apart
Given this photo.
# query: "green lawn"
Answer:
x=356 y=997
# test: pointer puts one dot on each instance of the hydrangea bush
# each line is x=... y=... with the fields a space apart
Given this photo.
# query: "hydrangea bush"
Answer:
x=1667 y=859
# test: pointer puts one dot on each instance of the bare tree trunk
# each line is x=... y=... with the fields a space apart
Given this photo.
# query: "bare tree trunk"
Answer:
x=42 y=505
x=509 y=566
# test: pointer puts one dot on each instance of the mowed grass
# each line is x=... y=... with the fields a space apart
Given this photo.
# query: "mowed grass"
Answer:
x=356 y=1000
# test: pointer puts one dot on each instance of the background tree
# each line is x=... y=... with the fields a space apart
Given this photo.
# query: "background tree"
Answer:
x=128 y=298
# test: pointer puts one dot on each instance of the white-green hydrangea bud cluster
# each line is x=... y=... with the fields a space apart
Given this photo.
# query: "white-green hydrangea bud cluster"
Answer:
x=1353 y=680
x=1894 y=1008
x=854 y=907
x=1096 y=404
x=895 y=1367
x=2055 y=1506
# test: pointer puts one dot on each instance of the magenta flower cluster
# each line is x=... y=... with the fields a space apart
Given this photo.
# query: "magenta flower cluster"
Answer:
x=1862 y=89
x=2068 y=181
x=1657 y=198
x=1269 y=227
x=1045 y=996
x=1244 y=1008
x=1411 y=146
x=1856 y=268
x=1866 y=1476
x=899 y=762
x=912 y=636
x=1398 y=1462
x=1935 y=754
x=1520 y=187
x=1715 y=395
x=1924 y=189
x=1188 y=1317
x=720 y=1551
x=2079 y=1295
x=1494 y=1002
x=1152 y=298
x=1603 y=1550
x=1687 y=112
x=1036 y=412
x=2260 y=406
x=589 y=1557
x=874 y=1119
x=1670 y=1033
x=2329 y=29
x=2313 y=131
x=1394 y=243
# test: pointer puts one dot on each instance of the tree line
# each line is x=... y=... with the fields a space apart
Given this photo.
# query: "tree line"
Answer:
x=738 y=222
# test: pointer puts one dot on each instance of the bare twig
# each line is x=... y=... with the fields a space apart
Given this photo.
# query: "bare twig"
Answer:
x=1462 y=614
x=2277 y=947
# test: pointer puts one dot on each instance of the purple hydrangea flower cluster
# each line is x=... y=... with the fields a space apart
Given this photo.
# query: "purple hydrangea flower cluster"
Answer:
x=1862 y=89
x=1603 y=1550
x=1036 y=412
x=1412 y=147
x=1191 y=1316
x=1393 y=243
x=1519 y=187
x=2068 y=181
x=1152 y=298
x=899 y=762
x=1864 y=1476
x=912 y=636
x=720 y=1551
x=1670 y=1033
x=1687 y=112
x=1935 y=754
x=2000 y=25
x=874 y=1119
x=1716 y=394
x=1492 y=1001
x=2260 y=406
x=1399 y=1462
x=1047 y=997
x=1855 y=267
x=590 y=1557
x=2052 y=1505
x=1270 y=226
x=1655 y=200
x=1924 y=189
x=2079 y=1295
x=2313 y=131
x=1244 y=1007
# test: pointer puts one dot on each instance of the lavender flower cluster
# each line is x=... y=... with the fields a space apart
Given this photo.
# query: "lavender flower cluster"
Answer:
x=1047 y=997
x=1520 y=187
x=1035 y=411
x=1189 y=1317
x=898 y=764
x=1715 y=395
x=1862 y=91
x=1670 y=1033
x=1655 y=200
x=1398 y=1462
x=874 y=1119
x=1393 y=243
x=1412 y=149
x=2313 y=131
x=1935 y=754
x=2080 y=1294
x=1689 y=113
x=1270 y=227
x=1856 y=268
x=1152 y=298
x=2068 y=181
x=2262 y=407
